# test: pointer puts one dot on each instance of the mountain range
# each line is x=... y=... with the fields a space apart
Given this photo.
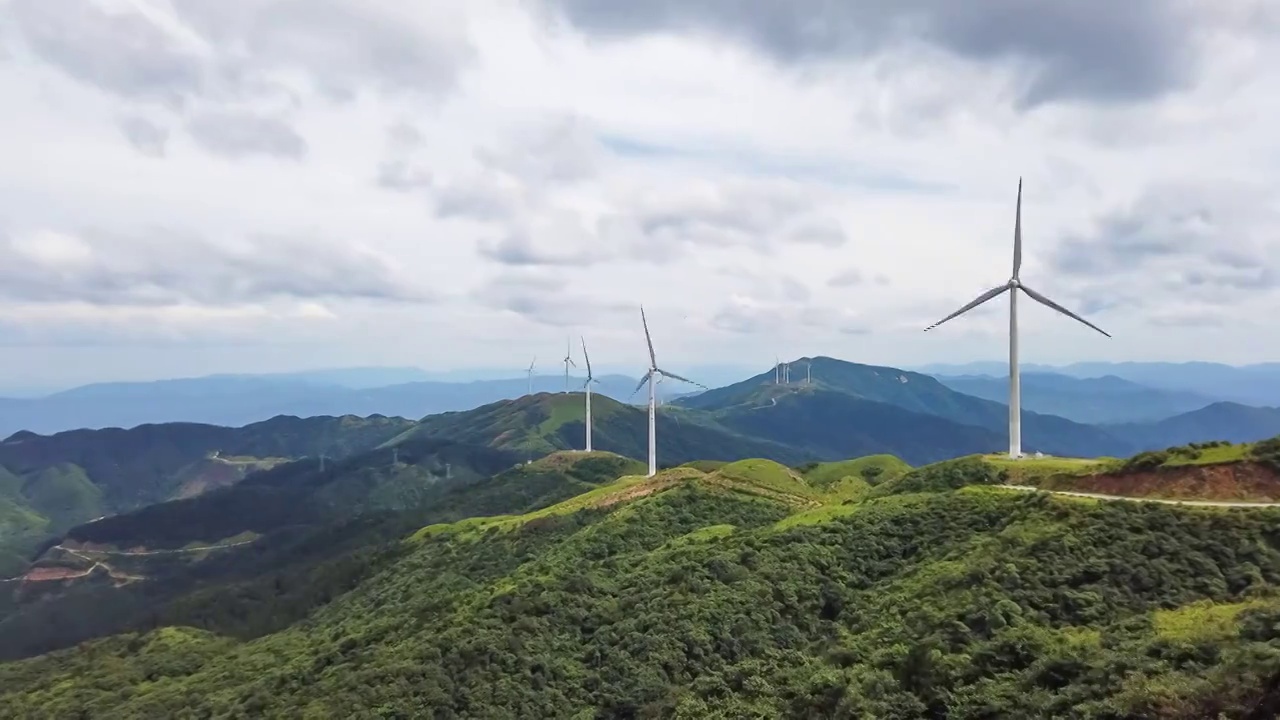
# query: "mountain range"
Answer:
x=52 y=484
x=1102 y=400
x=1086 y=393
x=1257 y=384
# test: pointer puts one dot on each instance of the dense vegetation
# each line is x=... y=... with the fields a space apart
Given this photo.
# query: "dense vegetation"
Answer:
x=306 y=551
x=50 y=484
x=746 y=592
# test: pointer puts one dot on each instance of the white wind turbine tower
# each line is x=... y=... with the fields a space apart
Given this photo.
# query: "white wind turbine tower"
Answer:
x=568 y=360
x=651 y=377
x=587 y=388
x=529 y=373
x=1013 y=286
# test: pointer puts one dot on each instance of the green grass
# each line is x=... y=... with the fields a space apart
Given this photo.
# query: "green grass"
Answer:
x=600 y=496
x=1029 y=470
x=818 y=516
x=875 y=469
x=768 y=478
x=563 y=409
x=1205 y=620
x=710 y=532
x=705 y=466
x=1212 y=456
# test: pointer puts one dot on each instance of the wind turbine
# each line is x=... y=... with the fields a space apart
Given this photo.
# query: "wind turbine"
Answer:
x=1013 y=286
x=529 y=373
x=651 y=377
x=808 y=372
x=568 y=360
x=586 y=386
x=777 y=370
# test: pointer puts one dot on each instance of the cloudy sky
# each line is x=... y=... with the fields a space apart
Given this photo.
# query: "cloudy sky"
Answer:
x=191 y=186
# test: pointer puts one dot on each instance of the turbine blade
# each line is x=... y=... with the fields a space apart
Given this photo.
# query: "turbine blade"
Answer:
x=571 y=362
x=993 y=292
x=1051 y=304
x=1017 y=234
x=587 y=358
x=674 y=376
x=531 y=363
x=653 y=359
x=643 y=380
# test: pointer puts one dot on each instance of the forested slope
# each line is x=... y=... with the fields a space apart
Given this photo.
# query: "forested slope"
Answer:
x=745 y=594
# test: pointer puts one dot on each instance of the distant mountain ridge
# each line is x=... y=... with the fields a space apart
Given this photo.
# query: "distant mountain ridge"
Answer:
x=881 y=388
x=1257 y=384
x=1104 y=400
x=233 y=401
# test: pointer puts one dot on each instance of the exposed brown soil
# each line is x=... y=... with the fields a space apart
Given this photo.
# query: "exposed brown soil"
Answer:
x=44 y=574
x=213 y=475
x=1243 y=481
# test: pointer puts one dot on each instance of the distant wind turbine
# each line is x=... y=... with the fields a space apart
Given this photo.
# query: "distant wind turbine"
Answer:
x=1013 y=286
x=808 y=372
x=777 y=370
x=529 y=373
x=586 y=386
x=568 y=360
x=651 y=377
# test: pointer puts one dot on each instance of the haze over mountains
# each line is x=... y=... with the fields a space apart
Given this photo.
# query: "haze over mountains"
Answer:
x=1257 y=384
x=1091 y=393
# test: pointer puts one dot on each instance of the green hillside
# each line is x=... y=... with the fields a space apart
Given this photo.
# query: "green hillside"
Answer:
x=313 y=535
x=547 y=422
x=747 y=591
x=881 y=404
x=49 y=484
x=830 y=425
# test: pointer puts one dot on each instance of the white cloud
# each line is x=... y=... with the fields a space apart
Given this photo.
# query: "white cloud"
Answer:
x=318 y=168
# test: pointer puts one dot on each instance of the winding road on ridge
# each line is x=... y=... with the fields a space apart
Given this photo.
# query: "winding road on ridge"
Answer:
x=1162 y=501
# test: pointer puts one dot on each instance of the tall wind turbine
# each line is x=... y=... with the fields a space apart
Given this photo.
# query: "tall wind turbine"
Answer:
x=586 y=386
x=1013 y=286
x=529 y=373
x=568 y=360
x=651 y=377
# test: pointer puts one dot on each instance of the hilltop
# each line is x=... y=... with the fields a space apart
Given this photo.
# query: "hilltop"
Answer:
x=890 y=402
x=743 y=589
x=547 y=422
